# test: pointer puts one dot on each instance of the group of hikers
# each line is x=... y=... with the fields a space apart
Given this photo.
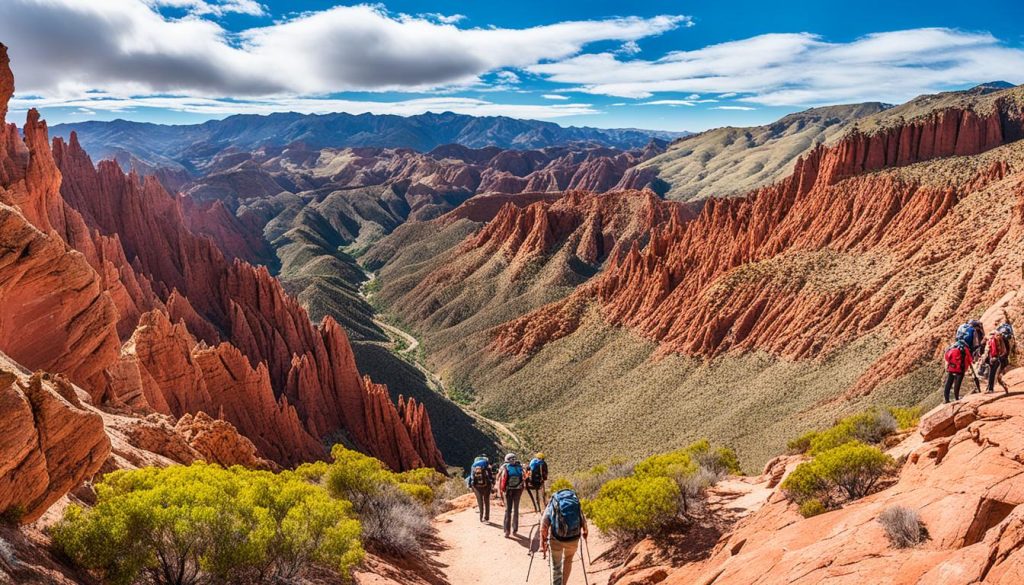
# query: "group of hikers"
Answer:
x=970 y=346
x=562 y=522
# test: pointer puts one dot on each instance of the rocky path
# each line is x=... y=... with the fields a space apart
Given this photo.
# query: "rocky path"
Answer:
x=472 y=552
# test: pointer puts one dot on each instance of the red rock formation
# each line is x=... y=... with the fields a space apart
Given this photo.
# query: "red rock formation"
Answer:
x=416 y=420
x=801 y=267
x=62 y=309
x=195 y=438
x=964 y=484
x=237 y=237
x=49 y=444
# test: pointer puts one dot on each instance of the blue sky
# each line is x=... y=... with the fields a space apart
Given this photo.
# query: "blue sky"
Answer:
x=658 y=64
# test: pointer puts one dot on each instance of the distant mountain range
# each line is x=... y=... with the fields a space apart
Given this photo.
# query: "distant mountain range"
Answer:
x=188 y=146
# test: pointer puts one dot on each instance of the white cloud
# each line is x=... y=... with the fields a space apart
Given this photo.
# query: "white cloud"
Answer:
x=220 y=107
x=214 y=8
x=554 y=96
x=739 y=108
x=629 y=48
x=127 y=47
x=668 y=103
x=693 y=96
x=802 y=68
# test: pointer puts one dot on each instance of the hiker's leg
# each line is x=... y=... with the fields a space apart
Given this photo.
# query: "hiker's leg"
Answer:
x=947 y=386
x=507 y=524
x=993 y=371
x=958 y=379
x=555 y=549
x=487 y=503
x=479 y=501
x=568 y=555
x=514 y=505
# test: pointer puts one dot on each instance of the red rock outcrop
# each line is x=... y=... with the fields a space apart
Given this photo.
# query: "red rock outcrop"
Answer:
x=85 y=257
x=49 y=444
x=964 y=484
x=804 y=266
x=195 y=438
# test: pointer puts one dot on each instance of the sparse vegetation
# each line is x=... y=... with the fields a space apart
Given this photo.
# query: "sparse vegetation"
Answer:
x=632 y=501
x=812 y=507
x=394 y=508
x=903 y=526
x=906 y=418
x=12 y=515
x=187 y=525
x=869 y=427
x=851 y=470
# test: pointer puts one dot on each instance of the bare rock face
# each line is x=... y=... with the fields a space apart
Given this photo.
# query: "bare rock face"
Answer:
x=49 y=443
x=964 y=485
x=195 y=438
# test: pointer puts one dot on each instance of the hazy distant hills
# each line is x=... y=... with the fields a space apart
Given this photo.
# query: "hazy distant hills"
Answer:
x=187 y=146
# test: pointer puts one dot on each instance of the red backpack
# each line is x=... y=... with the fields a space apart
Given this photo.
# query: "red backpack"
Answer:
x=997 y=346
x=955 y=359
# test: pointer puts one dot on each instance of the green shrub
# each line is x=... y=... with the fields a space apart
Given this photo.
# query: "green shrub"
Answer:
x=852 y=468
x=720 y=461
x=801 y=444
x=812 y=507
x=634 y=506
x=673 y=464
x=202 y=523
x=561 y=483
x=906 y=418
x=867 y=427
x=394 y=508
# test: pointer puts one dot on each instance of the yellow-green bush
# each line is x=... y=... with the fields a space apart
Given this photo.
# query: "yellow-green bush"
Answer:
x=203 y=523
x=674 y=464
x=634 y=506
x=871 y=426
x=852 y=468
x=561 y=483
x=812 y=507
x=722 y=460
x=801 y=444
x=394 y=508
x=906 y=418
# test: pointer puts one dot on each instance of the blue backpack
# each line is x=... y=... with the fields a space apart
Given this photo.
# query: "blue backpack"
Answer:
x=565 y=516
x=536 y=472
x=965 y=333
x=514 y=481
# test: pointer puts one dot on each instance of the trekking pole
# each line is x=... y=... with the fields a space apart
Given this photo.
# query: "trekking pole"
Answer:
x=586 y=545
x=585 y=579
x=974 y=373
x=531 y=553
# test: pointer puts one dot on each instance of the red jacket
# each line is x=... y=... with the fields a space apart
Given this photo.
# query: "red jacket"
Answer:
x=958 y=364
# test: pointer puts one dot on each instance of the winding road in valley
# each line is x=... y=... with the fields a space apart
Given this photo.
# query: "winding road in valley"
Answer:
x=508 y=437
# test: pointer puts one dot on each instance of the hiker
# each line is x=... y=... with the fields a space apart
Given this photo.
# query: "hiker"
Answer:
x=972 y=333
x=511 y=481
x=999 y=346
x=481 y=481
x=958 y=362
x=536 y=475
x=560 y=530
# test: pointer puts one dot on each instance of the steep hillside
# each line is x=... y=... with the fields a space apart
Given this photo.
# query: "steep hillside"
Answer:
x=96 y=258
x=732 y=161
x=769 y=312
x=187 y=146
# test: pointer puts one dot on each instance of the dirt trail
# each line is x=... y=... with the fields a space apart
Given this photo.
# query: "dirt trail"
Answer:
x=479 y=553
x=506 y=434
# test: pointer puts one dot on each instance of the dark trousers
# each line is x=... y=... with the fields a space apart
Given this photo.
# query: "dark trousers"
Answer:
x=483 y=502
x=952 y=381
x=994 y=367
x=512 y=510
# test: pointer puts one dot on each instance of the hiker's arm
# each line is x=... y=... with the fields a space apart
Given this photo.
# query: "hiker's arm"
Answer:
x=544 y=529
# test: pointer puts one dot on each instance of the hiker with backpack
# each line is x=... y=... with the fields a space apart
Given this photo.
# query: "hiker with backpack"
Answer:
x=560 y=530
x=511 y=481
x=481 y=481
x=536 y=475
x=999 y=347
x=958 y=363
x=972 y=333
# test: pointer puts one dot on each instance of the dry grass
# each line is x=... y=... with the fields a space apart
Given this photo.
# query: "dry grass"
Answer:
x=903 y=526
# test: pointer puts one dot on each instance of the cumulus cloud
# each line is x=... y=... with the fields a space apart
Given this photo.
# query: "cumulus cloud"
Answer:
x=221 y=107
x=214 y=7
x=802 y=68
x=127 y=47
